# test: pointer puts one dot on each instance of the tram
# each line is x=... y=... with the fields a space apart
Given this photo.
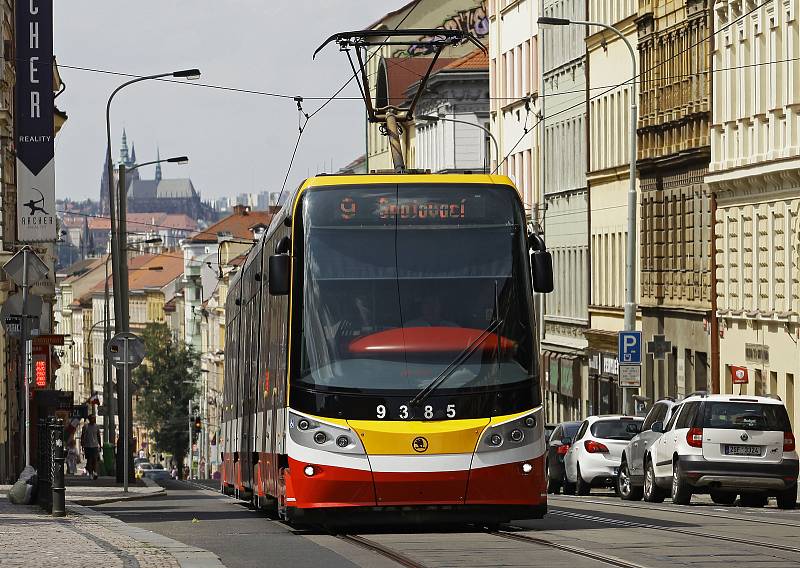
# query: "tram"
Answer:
x=381 y=354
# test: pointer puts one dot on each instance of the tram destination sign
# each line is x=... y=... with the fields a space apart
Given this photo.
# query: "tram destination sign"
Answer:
x=36 y=174
x=449 y=207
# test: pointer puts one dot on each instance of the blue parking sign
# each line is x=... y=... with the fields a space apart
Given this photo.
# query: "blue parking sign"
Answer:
x=630 y=347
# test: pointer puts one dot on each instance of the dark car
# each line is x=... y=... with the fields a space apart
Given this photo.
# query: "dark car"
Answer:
x=557 y=448
x=548 y=431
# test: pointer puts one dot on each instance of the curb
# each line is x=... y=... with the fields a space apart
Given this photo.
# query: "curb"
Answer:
x=90 y=501
x=187 y=556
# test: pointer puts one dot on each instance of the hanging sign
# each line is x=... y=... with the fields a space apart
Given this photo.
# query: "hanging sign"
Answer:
x=36 y=173
x=739 y=375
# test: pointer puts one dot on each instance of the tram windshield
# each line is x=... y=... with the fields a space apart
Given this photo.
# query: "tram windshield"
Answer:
x=401 y=283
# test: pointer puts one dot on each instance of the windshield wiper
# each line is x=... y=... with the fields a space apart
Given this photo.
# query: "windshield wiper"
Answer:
x=422 y=395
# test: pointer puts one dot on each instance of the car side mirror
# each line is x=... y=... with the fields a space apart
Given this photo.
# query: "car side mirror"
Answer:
x=280 y=270
x=634 y=428
x=657 y=427
x=541 y=265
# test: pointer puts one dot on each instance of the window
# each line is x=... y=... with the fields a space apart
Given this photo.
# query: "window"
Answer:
x=671 y=422
x=688 y=416
x=746 y=416
x=656 y=414
x=613 y=429
x=581 y=431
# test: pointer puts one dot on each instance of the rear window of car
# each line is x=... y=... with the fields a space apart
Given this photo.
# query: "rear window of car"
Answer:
x=158 y=466
x=570 y=429
x=612 y=429
x=746 y=416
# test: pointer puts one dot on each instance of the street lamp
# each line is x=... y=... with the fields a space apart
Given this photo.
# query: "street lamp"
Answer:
x=108 y=431
x=630 y=256
x=431 y=118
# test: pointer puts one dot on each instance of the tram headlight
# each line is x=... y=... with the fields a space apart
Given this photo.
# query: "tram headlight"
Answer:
x=527 y=468
x=320 y=437
x=495 y=439
x=309 y=470
x=517 y=435
x=530 y=421
x=303 y=424
x=342 y=441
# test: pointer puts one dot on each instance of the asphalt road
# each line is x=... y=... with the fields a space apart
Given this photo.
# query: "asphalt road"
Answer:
x=579 y=532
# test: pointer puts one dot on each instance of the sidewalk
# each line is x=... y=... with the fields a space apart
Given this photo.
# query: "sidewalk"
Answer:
x=86 y=538
x=83 y=490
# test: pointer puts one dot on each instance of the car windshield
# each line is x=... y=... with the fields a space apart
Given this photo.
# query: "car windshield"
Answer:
x=400 y=280
x=746 y=416
x=145 y=466
x=612 y=429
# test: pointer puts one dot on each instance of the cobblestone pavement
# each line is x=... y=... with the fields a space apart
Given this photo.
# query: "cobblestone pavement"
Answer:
x=85 y=538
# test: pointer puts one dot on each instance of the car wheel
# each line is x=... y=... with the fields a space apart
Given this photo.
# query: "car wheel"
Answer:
x=787 y=499
x=625 y=488
x=723 y=498
x=681 y=491
x=652 y=492
x=752 y=500
x=581 y=487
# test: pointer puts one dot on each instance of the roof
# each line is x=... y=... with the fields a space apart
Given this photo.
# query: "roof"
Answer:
x=149 y=222
x=80 y=268
x=402 y=72
x=238 y=225
x=133 y=264
x=181 y=188
x=476 y=60
x=171 y=267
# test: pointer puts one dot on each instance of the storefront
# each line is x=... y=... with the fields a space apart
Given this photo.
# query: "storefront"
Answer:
x=604 y=393
x=563 y=380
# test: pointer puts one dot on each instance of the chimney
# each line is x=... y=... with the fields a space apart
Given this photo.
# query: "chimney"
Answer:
x=241 y=209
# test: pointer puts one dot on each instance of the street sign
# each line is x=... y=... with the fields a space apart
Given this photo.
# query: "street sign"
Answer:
x=13 y=325
x=15 y=268
x=13 y=306
x=116 y=350
x=630 y=376
x=739 y=375
x=629 y=347
x=659 y=347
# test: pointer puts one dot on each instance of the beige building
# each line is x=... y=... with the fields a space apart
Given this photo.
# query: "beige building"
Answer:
x=755 y=177
x=608 y=180
x=391 y=69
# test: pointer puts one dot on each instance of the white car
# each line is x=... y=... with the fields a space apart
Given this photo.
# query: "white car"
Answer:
x=594 y=456
x=724 y=445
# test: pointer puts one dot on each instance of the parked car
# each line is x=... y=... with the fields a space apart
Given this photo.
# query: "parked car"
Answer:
x=594 y=456
x=141 y=467
x=156 y=472
x=548 y=432
x=557 y=447
x=630 y=481
x=726 y=445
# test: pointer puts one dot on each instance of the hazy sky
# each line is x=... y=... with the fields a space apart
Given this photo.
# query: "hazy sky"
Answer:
x=236 y=142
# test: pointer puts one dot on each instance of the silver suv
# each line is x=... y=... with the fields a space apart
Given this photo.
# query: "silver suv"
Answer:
x=630 y=480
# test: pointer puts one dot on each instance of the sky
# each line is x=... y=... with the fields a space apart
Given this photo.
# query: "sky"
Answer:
x=236 y=142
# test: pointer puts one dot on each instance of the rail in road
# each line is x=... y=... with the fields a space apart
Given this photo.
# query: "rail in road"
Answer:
x=389 y=553
x=679 y=509
x=632 y=524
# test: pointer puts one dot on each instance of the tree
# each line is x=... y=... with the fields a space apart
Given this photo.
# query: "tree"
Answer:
x=165 y=384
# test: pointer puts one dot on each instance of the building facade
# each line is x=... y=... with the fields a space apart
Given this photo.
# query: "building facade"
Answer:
x=609 y=95
x=513 y=90
x=566 y=207
x=675 y=228
x=755 y=177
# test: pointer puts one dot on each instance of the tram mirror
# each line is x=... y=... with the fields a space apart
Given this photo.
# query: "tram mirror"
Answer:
x=283 y=246
x=280 y=269
x=542 y=264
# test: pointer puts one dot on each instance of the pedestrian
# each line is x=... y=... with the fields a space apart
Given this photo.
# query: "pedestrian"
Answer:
x=72 y=457
x=90 y=440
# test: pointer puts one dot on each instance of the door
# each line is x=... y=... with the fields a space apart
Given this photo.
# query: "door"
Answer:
x=662 y=459
x=571 y=459
x=643 y=440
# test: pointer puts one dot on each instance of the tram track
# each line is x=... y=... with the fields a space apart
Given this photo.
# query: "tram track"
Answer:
x=634 y=524
x=583 y=552
x=377 y=548
x=687 y=511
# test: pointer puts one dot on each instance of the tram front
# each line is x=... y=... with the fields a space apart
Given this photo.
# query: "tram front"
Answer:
x=413 y=371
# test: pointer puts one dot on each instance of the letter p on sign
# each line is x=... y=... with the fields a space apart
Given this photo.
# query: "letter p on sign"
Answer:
x=630 y=347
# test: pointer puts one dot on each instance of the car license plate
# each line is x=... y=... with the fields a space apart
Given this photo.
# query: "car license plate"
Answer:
x=731 y=450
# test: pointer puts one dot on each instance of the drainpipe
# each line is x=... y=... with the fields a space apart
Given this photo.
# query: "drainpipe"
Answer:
x=715 y=387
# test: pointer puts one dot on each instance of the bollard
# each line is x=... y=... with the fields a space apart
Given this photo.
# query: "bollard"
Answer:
x=57 y=438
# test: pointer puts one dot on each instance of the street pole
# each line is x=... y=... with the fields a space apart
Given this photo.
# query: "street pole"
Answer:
x=108 y=403
x=26 y=354
x=126 y=374
x=629 y=323
x=189 y=475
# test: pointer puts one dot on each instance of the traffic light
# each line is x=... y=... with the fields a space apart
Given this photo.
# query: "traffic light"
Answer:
x=198 y=424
